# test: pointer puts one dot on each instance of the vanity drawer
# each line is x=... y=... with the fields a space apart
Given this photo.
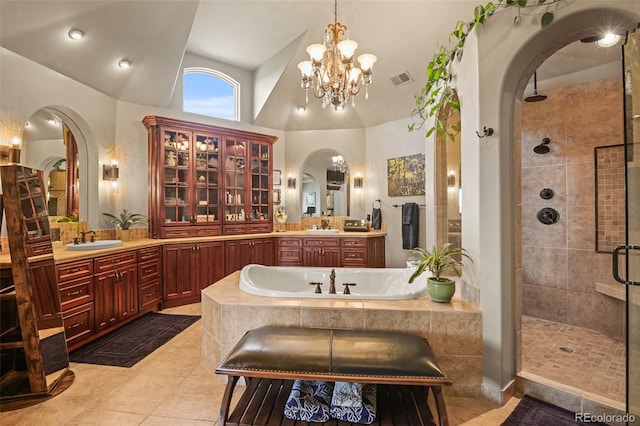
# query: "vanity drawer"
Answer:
x=149 y=295
x=78 y=323
x=322 y=242
x=75 y=293
x=149 y=253
x=260 y=228
x=108 y=263
x=354 y=256
x=290 y=256
x=166 y=232
x=234 y=229
x=354 y=242
x=202 y=231
x=289 y=242
x=74 y=270
x=148 y=271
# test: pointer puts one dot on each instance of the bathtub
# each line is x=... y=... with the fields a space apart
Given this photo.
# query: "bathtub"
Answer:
x=372 y=283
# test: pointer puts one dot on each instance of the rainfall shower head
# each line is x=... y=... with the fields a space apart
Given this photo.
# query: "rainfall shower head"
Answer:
x=543 y=148
x=535 y=97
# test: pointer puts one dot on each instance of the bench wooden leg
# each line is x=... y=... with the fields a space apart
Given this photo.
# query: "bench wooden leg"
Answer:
x=440 y=405
x=232 y=381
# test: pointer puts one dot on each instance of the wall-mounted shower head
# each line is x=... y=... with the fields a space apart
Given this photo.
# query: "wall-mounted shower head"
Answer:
x=535 y=97
x=543 y=148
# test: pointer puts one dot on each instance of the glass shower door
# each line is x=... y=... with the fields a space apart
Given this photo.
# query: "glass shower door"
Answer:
x=631 y=251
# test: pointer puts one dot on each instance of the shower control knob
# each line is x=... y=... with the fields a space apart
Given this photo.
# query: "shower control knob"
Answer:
x=546 y=194
x=548 y=216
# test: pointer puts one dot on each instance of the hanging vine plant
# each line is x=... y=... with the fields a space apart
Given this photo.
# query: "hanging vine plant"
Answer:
x=438 y=93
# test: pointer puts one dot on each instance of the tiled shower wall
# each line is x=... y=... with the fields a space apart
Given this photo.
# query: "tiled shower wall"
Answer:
x=560 y=266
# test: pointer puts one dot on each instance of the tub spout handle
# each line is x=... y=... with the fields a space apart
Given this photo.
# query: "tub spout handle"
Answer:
x=332 y=282
x=346 y=287
x=318 y=289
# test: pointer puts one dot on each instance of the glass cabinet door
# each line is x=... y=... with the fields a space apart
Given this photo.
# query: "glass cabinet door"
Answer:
x=177 y=178
x=260 y=173
x=207 y=177
x=235 y=166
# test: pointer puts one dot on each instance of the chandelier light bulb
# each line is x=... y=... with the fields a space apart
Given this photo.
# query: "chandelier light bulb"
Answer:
x=306 y=68
x=366 y=61
x=347 y=48
x=316 y=51
x=354 y=75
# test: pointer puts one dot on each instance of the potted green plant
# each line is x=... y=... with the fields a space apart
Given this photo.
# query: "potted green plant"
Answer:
x=124 y=221
x=439 y=260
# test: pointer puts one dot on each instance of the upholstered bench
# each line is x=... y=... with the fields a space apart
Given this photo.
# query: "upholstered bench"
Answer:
x=271 y=358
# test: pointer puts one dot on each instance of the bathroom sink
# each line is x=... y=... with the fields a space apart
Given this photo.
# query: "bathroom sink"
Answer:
x=323 y=231
x=96 y=245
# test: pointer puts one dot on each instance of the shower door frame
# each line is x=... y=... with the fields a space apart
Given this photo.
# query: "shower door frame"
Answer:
x=631 y=250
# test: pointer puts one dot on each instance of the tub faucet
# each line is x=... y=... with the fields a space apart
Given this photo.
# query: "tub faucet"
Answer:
x=332 y=282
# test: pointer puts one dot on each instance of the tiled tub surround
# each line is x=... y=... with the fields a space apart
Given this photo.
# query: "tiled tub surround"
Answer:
x=454 y=330
x=559 y=263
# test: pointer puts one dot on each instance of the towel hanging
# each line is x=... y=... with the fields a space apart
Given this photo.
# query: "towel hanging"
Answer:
x=410 y=220
x=376 y=215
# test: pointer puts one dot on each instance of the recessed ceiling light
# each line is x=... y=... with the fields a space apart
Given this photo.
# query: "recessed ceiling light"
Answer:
x=76 y=33
x=124 y=63
x=52 y=121
x=301 y=108
x=608 y=40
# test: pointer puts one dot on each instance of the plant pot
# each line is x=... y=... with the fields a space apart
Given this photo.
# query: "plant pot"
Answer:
x=441 y=291
x=125 y=234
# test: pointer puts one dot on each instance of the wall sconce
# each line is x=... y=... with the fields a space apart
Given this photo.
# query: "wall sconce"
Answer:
x=110 y=172
x=358 y=182
x=9 y=154
x=451 y=180
x=291 y=182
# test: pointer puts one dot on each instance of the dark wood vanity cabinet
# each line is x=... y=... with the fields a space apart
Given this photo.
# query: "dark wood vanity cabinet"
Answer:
x=207 y=180
x=323 y=252
x=239 y=253
x=357 y=252
x=116 y=289
x=188 y=268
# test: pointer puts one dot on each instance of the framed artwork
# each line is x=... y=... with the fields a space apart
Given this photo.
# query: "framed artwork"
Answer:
x=405 y=176
x=277 y=177
x=277 y=197
x=311 y=198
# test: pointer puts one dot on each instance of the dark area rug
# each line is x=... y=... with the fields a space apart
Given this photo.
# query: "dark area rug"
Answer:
x=533 y=412
x=129 y=344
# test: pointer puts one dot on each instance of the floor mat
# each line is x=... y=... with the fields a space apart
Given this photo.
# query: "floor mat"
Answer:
x=533 y=412
x=129 y=344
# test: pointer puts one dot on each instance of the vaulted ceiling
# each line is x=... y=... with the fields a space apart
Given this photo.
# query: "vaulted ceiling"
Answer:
x=250 y=35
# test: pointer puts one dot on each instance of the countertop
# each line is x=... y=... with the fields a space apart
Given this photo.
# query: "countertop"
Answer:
x=62 y=255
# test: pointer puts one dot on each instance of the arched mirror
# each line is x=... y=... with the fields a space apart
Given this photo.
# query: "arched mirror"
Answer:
x=325 y=185
x=448 y=179
x=49 y=144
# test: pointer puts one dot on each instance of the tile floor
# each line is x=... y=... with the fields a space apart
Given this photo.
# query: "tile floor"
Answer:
x=574 y=356
x=172 y=387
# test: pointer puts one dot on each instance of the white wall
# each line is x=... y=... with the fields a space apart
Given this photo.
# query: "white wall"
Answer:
x=350 y=143
x=27 y=87
x=391 y=140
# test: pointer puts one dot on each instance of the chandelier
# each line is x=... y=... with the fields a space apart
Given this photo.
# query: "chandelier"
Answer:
x=331 y=72
x=339 y=164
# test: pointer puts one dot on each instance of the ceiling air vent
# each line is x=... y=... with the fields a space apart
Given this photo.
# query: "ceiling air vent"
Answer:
x=401 y=79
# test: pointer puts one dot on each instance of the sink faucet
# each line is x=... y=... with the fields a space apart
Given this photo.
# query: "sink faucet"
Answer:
x=332 y=282
x=324 y=224
x=83 y=236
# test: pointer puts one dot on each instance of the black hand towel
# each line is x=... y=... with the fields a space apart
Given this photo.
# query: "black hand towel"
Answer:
x=410 y=219
x=376 y=219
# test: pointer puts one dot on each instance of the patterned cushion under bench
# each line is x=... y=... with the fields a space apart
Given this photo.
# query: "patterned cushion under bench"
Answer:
x=403 y=361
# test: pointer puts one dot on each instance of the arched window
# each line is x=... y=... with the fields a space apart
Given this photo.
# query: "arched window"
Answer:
x=210 y=92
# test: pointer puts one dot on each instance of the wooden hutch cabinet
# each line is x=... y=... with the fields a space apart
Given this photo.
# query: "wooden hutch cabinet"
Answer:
x=207 y=180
